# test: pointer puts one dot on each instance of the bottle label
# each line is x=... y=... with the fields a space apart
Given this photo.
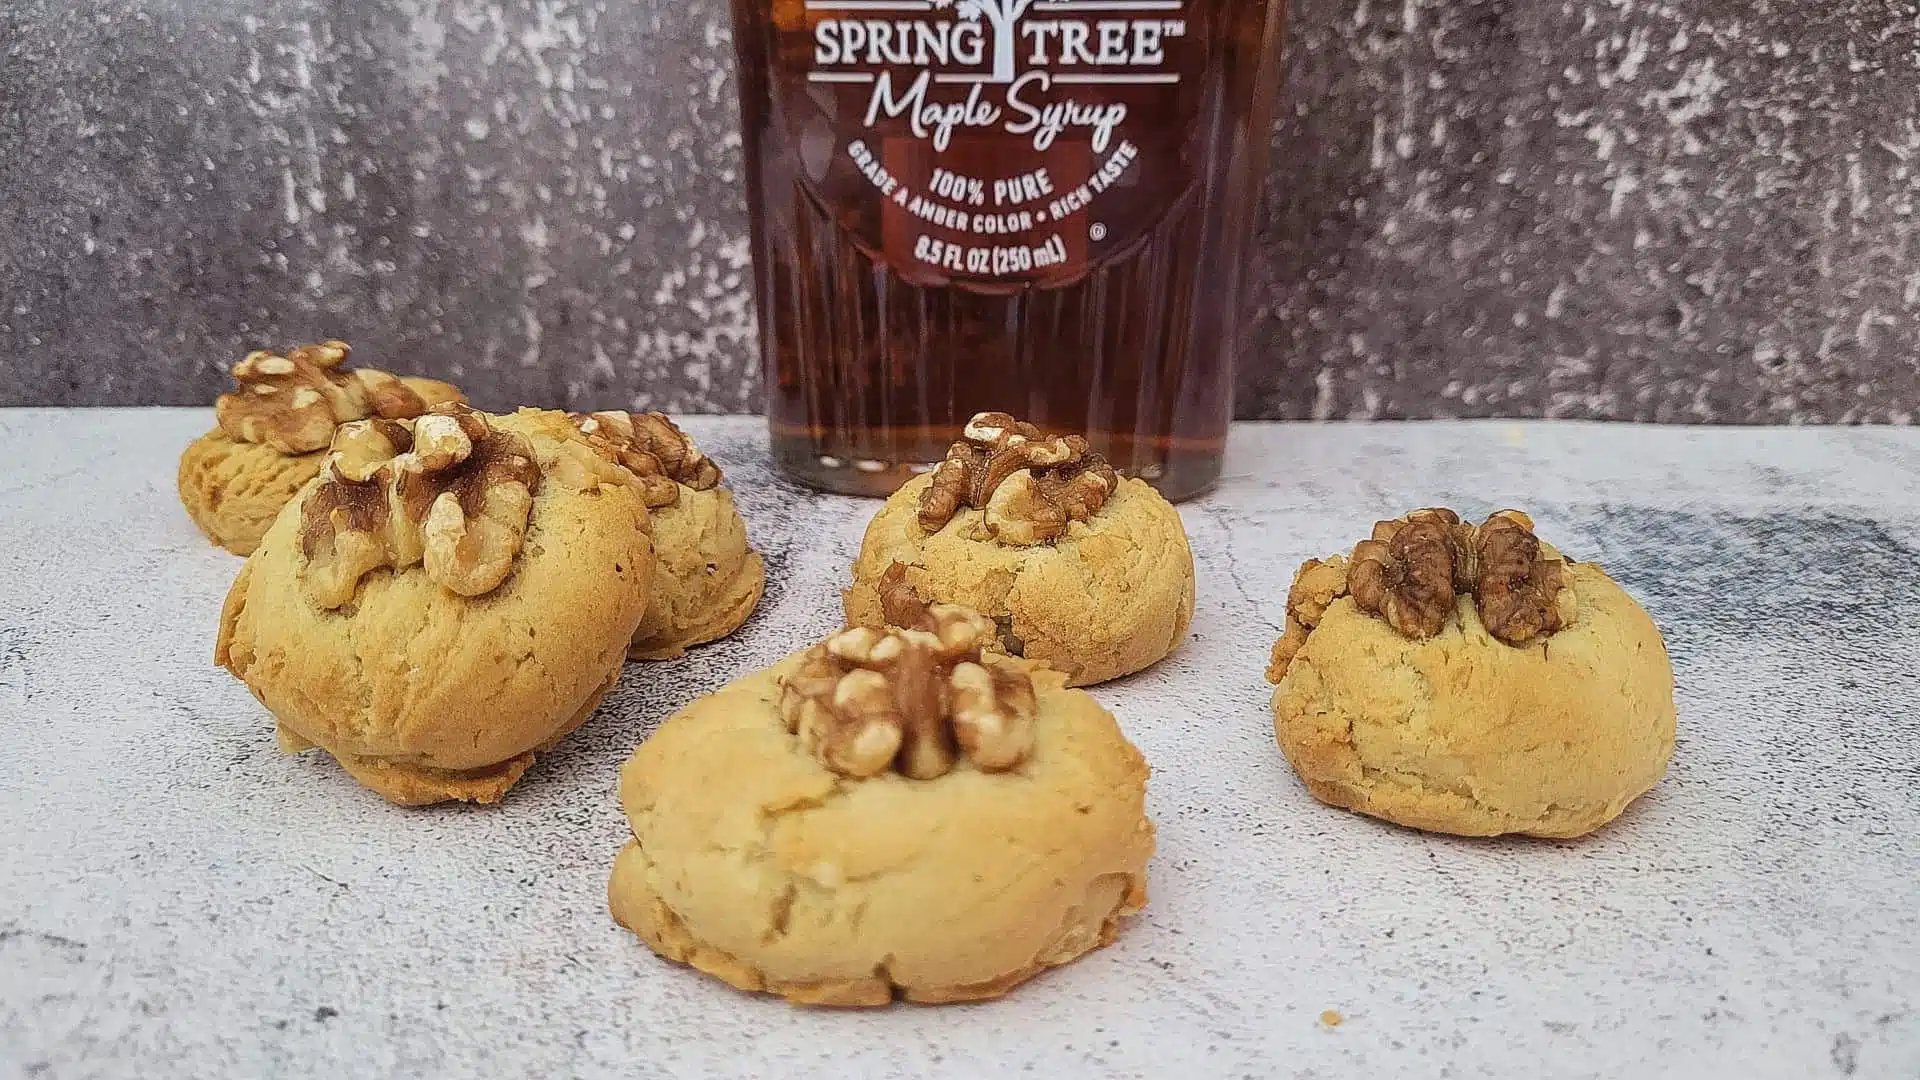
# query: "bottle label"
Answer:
x=991 y=142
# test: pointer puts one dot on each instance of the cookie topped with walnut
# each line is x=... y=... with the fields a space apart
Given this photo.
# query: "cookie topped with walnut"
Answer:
x=895 y=812
x=450 y=596
x=1079 y=568
x=708 y=578
x=273 y=430
x=1470 y=679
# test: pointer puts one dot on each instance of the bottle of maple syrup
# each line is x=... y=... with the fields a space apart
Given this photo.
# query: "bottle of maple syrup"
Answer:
x=1041 y=207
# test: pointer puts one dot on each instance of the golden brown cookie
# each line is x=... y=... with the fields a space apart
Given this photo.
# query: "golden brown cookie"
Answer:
x=888 y=814
x=1470 y=679
x=450 y=596
x=708 y=579
x=235 y=478
x=233 y=490
x=1083 y=571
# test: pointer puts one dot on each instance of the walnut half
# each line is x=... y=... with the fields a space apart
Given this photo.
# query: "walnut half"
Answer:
x=915 y=699
x=651 y=447
x=1030 y=486
x=1520 y=588
x=1407 y=572
x=294 y=403
x=1410 y=571
x=448 y=490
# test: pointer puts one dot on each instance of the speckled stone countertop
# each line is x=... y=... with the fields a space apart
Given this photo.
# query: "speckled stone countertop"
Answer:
x=180 y=899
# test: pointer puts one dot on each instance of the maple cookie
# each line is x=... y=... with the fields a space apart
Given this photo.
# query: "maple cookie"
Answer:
x=888 y=814
x=707 y=579
x=273 y=434
x=1471 y=679
x=1081 y=570
x=451 y=596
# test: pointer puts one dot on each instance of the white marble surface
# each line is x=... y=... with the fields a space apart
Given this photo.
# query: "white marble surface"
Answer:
x=179 y=899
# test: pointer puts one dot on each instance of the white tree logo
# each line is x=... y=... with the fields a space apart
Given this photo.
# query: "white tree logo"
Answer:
x=1003 y=16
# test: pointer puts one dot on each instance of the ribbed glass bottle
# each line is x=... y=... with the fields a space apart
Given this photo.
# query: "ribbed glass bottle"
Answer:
x=1041 y=207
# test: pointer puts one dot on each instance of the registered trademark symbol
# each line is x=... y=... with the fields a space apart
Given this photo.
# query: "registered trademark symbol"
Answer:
x=1096 y=231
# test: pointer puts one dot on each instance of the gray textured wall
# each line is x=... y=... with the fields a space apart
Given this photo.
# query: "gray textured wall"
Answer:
x=1696 y=210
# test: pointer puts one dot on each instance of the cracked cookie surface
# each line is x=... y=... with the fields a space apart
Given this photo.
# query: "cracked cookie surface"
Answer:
x=424 y=695
x=1462 y=733
x=1110 y=596
x=752 y=861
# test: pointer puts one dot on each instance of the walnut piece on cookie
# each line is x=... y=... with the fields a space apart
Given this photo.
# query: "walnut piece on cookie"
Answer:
x=448 y=490
x=1469 y=679
x=453 y=596
x=913 y=699
x=1029 y=486
x=653 y=448
x=273 y=431
x=1413 y=569
x=1079 y=569
x=877 y=785
x=709 y=579
x=294 y=402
